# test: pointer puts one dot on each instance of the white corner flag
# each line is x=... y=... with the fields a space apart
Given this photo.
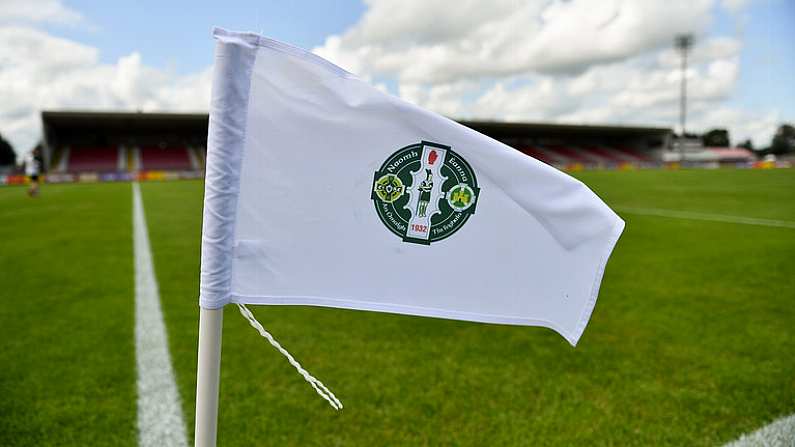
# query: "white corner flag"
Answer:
x=322 y=190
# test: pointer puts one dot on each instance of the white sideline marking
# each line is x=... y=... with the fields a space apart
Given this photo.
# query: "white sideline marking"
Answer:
x=160 y=421
x=706 y=217
x=780 y=433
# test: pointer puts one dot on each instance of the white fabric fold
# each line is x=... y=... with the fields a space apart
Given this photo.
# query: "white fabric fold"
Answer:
x=296 y=149
x=234 y=59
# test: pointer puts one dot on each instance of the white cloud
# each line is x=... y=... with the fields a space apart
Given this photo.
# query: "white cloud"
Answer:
x=570 y=61
x=445 y=41
x=51 y=11
x=744 y=125
x=630 y=91
x=39 y=71
x=704 y=51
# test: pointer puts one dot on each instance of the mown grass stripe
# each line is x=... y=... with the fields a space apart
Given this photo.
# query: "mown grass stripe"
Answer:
x=677 y=214
x=160 y=420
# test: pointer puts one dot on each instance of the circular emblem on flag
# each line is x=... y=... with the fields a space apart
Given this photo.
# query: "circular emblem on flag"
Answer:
x=424 y=192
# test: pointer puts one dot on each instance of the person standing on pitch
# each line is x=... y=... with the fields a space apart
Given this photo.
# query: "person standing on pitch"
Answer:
x=33 y=168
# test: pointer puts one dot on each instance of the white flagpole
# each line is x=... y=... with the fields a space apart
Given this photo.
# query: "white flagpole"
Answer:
x=207 y=376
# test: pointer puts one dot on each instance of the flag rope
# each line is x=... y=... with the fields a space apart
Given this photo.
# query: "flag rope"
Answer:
x=321 y=389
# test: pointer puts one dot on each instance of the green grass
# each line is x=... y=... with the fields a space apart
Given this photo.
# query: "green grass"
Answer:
x=67 y=354
x=692 y=341
x=749 y=193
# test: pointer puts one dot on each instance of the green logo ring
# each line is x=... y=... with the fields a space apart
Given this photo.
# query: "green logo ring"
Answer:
x=424 y=192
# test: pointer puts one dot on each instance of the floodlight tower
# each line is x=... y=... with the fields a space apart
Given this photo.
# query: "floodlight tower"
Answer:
x=683 y=43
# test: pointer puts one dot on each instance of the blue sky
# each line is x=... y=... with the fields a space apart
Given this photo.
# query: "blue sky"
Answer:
x=176 y=34
x=543 y=65
x=767 y=73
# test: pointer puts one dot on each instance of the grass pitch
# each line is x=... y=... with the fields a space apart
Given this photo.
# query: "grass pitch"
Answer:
x=692 y=341
x=67 y=353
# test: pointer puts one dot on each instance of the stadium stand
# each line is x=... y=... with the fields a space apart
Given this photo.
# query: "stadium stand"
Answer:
x=567 y=146
x=121 y=146
x=165 y=159
x=592 y=158
x=570 y=154
x=91 y=159
x=634 y=154
x=610 y=155
x=162 y=145
x=116 y=145
x=543 y=155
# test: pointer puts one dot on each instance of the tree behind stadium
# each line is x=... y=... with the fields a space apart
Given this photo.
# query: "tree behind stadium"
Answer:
x=784 y=140
x=7 y=154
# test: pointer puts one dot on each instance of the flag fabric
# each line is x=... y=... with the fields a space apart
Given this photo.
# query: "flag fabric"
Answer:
x=323 y=190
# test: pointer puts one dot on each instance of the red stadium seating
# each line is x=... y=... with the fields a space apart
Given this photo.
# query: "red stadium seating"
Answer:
x=609 y=155
x=544 y=155
x=591 y=157
x=92 y=159
x=634 y=153
x=586 y=155
x=170 y=159
x=535 y=153
x=570 y=153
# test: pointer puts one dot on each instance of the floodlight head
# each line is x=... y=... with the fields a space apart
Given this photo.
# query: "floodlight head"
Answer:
x=684 y=41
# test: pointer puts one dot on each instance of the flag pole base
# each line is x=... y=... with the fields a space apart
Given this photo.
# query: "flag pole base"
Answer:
x=207 y=376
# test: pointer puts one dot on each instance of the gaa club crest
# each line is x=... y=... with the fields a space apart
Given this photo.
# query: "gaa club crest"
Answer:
x=425 y=192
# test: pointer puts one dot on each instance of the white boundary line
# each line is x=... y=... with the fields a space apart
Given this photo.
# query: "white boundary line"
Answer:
x=780 y=433
x=160 y=420
x=689 y=215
